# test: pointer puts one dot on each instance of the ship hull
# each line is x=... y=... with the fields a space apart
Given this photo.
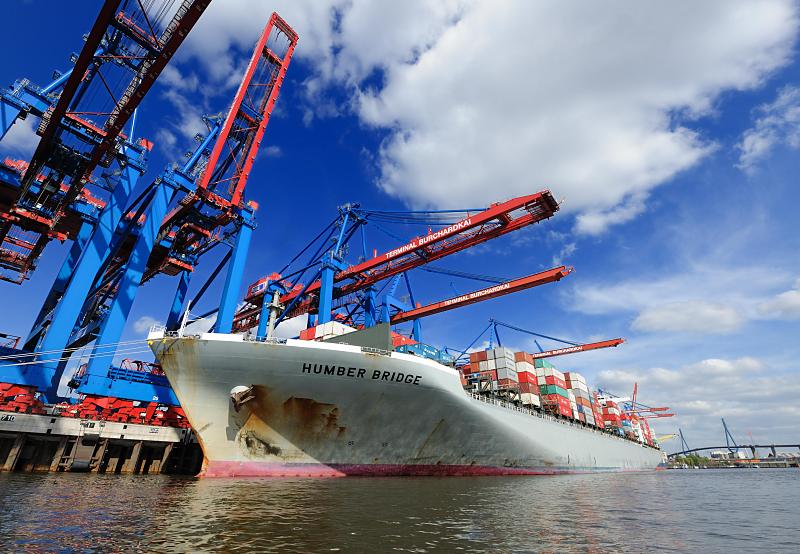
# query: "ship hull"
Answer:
x=319 y=409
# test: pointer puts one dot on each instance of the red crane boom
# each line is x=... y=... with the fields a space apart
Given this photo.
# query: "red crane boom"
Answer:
x=516 y=285
x=577 y=348
x=491 y=223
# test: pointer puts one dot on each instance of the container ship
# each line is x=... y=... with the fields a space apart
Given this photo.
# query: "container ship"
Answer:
x=339 y=404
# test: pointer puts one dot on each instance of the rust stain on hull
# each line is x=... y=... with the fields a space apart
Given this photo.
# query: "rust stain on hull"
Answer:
x=293 y=428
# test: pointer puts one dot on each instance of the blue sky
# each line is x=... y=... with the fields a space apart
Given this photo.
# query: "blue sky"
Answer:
x=670 y=133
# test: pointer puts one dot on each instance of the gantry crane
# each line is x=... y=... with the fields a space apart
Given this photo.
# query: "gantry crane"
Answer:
x=83 y=113
x=335 y=284
x=132 y=240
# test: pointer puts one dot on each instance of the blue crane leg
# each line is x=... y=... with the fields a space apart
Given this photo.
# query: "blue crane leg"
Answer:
x=8 y=115
x=60 y=284
x=416 y=333
x=370 y=308
x=66 y=313
x=325 y=295
x=263 y=318
x=175 y=312
x=97 y=381
x=233 y=280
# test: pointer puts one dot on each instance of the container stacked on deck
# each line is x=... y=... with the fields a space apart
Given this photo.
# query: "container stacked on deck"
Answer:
x=325 y=331
x=597 y=411
x=478 y=373
x=647 y=433
x=576 y=383
x=536 y=382
x=627 y=426
x=528 y=384
x=612 y=416
x=553 y=388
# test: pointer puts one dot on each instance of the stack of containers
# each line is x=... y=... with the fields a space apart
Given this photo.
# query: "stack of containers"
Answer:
x=573 y=405
x=576 y=383
x=528 y=384
x=479 y=371
x=326 y=331
x=647 y=434
x=553 y=388
x=627 y=426
x=597 y=411
x=504 y=364
x=612 y=417
x=636 y=424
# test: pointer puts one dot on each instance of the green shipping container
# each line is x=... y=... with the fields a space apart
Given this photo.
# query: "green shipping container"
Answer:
x=543 y=363
x=553 y=389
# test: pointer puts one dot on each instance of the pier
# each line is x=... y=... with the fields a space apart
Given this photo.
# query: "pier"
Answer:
x=42 y=443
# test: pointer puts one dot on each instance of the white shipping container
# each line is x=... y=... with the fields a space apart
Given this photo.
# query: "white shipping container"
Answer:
x=525 y=366
x=577 y=377
x=483 y=365
x=504 y=373
x=492 y=364
x=580 y=393
x=530 y=399
x=551 y=372
x=502 y=362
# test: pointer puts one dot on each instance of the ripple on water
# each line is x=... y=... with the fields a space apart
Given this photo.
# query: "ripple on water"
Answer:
x=677 y=511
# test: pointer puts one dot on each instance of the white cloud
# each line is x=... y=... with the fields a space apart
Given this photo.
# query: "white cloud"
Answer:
x=777 y=123
x=691 y=316
x=566 y=251
x=584 y=98
x=290 y=328
x=745 y=391
x=483 y=99
x=21 y=139
x=785 y=305
x=173 y=78
x=273 y=151
x=704 y=299
x=143 y=324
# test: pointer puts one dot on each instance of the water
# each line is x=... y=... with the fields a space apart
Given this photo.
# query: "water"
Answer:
x=744 y=510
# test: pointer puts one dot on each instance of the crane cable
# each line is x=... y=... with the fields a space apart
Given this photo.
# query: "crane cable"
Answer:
x=65 y=350
x=133 y=350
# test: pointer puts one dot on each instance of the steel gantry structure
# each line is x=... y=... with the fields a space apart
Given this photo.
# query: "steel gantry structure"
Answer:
x=326 y=287
x=126 y=235
x=83 y=113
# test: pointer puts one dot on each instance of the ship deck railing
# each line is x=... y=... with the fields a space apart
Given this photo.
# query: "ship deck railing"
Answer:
x=535 y=413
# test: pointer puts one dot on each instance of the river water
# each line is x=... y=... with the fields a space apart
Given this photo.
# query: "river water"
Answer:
x=735 y=510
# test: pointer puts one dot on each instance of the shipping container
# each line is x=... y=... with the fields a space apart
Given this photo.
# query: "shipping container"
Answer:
x=553 y=389
x=551 y=380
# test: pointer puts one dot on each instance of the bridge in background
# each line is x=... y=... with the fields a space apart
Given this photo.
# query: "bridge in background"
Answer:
x=731 y=445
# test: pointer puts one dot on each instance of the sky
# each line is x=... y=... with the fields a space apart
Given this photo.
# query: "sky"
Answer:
x=669 y=132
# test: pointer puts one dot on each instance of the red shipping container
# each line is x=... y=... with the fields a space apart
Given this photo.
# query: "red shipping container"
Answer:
x=600 y=423
x=553 y=380
x=482 y=356
x=526 y=377
x=400 y=340
x=473 y=357
x=308 y=334
x=523 y=357
x=506 y=383
x=559 y=403
x=528 y=387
